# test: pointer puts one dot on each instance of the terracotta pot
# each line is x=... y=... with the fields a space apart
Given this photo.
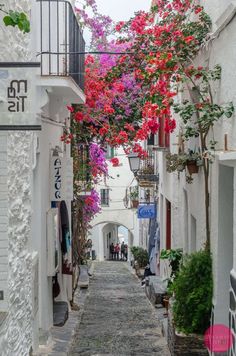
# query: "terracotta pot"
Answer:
x=134 y=204
x=192 y=167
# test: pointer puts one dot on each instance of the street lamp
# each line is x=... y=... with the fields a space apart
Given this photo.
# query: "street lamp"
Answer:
x=134 y=163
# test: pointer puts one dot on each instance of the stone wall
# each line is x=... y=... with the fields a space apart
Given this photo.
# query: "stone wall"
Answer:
x=3 y=222
x=181 y=345
x=14 y=45
x=16 y=175
x=19 y=334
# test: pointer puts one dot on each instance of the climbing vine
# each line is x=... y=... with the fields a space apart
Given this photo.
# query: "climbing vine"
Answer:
x=16 y=19
x=132 y=90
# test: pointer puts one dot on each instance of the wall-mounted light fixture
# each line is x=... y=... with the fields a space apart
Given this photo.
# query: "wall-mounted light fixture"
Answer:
x=134 y=163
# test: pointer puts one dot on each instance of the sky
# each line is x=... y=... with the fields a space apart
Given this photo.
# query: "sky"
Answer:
x=123 y=234
x=120 y=10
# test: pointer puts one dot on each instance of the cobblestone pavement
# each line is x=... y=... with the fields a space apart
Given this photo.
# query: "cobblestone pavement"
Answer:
x=118 y=319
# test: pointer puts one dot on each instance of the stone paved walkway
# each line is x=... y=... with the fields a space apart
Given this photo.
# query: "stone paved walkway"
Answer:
x=118 y=319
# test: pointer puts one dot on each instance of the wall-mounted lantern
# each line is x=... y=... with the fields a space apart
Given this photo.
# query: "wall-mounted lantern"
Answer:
x=134 y=163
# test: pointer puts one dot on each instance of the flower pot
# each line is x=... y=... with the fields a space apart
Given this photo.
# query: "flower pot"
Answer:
x=192 y=167
x=134 y=204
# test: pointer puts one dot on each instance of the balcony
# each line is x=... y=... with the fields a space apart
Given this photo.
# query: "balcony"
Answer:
x=62 y=48
x=146 y=175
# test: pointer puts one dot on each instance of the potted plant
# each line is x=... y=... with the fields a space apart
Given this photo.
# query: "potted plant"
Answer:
x=134 y=197
x=148 y=169
x=141 y=259
x=178 y=162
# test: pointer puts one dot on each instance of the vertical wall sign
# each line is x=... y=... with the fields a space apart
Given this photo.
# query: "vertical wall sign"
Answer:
x=57 y=178
x=18 y=93
x=61 y=178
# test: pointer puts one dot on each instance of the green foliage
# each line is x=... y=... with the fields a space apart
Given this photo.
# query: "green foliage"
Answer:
x=19 y=19
x=134 y=194
x=193 y=288
x=200 y=113
x=140 y=255
x=174 y=257
x=178 y=162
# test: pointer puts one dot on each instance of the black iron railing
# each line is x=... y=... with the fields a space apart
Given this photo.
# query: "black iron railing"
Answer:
x=61 y=41
x=147 y=165
x=146 y=174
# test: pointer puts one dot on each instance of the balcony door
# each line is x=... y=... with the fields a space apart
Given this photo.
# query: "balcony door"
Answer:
x=168 y=224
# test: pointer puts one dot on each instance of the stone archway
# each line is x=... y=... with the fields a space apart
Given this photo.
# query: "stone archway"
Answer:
x=105 y=233
x=124 y=217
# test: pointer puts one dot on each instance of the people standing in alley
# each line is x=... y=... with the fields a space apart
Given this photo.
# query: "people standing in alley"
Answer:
x=126 y=252
x=117 y=251
x=112 y=255
x=122 y=250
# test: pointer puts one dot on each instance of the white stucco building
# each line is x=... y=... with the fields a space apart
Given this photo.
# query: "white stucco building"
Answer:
x=181 y=205
x=116 y=209
x=31 y=235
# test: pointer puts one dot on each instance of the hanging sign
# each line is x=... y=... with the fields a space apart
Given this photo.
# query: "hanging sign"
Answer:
x=18 y=100
x=57 y=179
x=147 y=211
x=61 y=178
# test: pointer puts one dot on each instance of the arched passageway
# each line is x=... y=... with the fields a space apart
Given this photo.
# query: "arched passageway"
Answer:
x=107 y=233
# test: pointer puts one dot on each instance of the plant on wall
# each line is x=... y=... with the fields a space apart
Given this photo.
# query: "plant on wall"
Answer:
x=16 y=19
x=174 y=258
x=134 y=193
x=193 y=289
x=199 y=115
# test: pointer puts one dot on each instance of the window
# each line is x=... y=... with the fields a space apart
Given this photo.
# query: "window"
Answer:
x=104 y=197
x=150 y=140
x=163 y=137
x=110 y=152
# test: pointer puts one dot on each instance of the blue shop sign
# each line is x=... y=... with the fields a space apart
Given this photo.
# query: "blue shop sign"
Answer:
x=147 y=211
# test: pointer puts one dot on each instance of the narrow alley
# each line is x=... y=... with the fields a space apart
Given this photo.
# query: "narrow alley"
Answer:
x=118 y=318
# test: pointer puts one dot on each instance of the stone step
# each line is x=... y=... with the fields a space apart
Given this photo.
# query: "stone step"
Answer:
x=60 y=313
x=155 y=289
x=83 y=277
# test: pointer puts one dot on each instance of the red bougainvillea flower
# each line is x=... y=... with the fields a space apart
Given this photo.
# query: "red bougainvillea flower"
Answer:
x=153 y=126
x=198 y=9
x=115 y=162
x=108 y=109
x=70 y=108
x=119 y=25
x=79 y=116
x=170 y=125
x=89 y=201
x=129 y=127
x=189 y=39
x=141 y=152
